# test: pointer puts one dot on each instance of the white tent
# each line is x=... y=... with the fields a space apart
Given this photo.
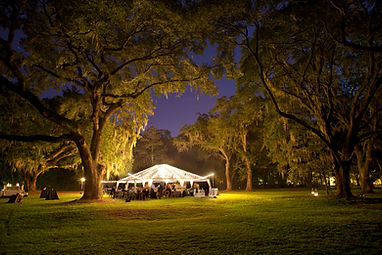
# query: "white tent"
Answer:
x=162 y=173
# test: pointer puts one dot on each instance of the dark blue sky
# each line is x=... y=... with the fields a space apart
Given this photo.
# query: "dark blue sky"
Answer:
x=173 y=113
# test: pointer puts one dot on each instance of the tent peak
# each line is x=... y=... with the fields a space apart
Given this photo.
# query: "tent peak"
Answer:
x=162 y=173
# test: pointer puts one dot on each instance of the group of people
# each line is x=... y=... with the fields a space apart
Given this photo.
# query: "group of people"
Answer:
x=155 y=191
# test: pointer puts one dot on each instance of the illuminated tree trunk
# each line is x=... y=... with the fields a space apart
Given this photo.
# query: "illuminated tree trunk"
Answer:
x=227 y=172
x=366 y=184
x=93 y=183
x=227 y=176
x=249 y=175
x=364 y=159
x=92 y=172
x=247 y=163
x=30 y=180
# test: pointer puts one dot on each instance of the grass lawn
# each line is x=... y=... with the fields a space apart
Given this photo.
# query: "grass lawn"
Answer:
x=282 y=221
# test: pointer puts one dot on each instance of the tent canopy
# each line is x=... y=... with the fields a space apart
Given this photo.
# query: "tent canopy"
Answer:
x=162 y=173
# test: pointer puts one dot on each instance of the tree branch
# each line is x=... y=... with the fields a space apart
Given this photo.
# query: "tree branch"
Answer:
x=35 y=138
x=59 y=76
x=54 y=161
x=137 y=93
x=263 y=79
x=367 y=135
x=60 y=151
x=35 y=101
x=147 y=57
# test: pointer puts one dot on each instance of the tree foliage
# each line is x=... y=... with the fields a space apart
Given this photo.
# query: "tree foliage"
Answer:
x=212 y=134
x=153 y=148
x=31 y=159
x=324 y=83
x=115 y=54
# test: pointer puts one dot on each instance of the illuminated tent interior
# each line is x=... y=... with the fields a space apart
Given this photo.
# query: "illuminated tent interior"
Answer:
x=162 y=173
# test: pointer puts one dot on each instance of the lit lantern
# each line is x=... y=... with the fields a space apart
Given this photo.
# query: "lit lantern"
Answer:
x=82 y=182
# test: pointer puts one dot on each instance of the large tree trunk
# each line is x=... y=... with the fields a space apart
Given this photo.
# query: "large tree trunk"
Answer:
x=366 y=184
x=93 y=173
x=93 y=183
x=227 y=172
x=341 y=170
x=247 y=162
x=30 y=178
x=249 y=175
x=30 y=181
x=343 y=181
x=227 y=175
x=364 y=159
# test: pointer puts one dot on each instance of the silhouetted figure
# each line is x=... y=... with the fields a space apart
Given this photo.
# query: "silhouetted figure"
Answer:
x=207 y=190
x=112 y=192
x=131 y=194
x=160 y=190
x=153 y=194
x=43 y=193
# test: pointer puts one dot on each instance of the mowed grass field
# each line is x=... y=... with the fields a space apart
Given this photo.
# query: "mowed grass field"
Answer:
x=282 y=221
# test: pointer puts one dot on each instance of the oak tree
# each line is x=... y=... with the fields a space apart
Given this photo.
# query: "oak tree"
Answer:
x=292 y=52
x=116 y=54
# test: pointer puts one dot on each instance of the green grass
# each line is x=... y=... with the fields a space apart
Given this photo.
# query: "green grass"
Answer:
x=285 y=221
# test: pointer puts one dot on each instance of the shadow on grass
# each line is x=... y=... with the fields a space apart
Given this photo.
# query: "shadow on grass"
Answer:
x=367 y=200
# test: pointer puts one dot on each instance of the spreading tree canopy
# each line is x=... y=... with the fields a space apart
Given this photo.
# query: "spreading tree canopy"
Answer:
x=116 y=54
x=318 y=62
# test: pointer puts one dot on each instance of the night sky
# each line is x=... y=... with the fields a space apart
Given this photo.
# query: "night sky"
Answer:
x=173 y=113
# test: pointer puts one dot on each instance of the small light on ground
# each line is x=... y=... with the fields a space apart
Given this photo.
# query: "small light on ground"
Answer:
x=82 y=184
x=314 y=192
